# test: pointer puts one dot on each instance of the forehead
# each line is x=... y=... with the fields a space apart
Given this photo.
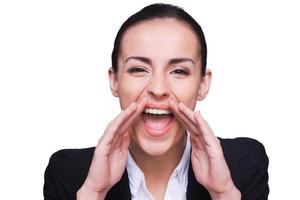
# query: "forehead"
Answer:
x=167 y=37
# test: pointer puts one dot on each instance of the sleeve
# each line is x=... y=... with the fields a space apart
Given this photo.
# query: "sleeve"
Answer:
x=57 y=178
x=253 y=170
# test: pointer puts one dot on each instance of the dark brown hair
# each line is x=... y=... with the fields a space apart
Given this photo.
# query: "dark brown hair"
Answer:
x=155 y=11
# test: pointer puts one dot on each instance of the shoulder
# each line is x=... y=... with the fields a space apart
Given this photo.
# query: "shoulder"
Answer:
x=66 y=172
x=72 y=156
x=242 y=149
x=242 y=146
x=248 y=164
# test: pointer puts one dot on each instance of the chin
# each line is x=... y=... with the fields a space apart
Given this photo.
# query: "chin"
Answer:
x=155 y=148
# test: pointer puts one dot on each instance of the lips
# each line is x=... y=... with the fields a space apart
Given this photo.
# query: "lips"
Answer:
x=157 y=121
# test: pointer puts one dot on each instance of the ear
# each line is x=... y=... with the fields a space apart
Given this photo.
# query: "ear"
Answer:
x=113 y=81
x=204 y=85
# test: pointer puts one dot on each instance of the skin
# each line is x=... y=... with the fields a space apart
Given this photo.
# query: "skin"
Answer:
x=159 y=64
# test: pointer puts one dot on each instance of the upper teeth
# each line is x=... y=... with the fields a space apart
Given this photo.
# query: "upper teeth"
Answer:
x=157 y=111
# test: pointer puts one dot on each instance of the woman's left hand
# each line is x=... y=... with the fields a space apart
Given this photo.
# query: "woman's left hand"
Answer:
x=208 y=162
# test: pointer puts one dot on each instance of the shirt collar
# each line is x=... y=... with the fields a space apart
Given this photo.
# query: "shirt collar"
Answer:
x=137 y=177
x=182 y=168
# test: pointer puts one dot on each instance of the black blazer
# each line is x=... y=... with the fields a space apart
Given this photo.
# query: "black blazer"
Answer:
x=246 y=159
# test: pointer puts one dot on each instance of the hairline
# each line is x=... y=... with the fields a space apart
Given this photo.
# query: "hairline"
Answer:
x=184 y=22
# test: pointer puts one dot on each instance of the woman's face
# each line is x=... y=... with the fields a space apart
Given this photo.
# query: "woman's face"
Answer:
x=159 y=59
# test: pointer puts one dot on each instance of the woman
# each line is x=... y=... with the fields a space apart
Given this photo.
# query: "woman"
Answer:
x=158 y=147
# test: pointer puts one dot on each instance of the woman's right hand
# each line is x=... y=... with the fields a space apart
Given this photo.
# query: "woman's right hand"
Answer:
x=110 y=155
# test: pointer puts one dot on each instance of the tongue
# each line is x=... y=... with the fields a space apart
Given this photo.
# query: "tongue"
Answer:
x=156 y=122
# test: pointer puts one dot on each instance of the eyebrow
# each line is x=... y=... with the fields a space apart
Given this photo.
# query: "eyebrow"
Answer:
x=140 y=58
x=171 y=61
x=179 y=60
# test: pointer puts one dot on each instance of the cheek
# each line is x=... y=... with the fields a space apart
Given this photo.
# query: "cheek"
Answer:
x=185 y=91
x=130 y=90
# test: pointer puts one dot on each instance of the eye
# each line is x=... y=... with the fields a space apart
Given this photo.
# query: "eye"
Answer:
x=137 y=70
x=179 y=71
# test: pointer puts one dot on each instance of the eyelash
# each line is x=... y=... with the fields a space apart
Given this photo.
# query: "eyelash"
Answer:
x=140 y=70
x=180 y=72
x=136 y=70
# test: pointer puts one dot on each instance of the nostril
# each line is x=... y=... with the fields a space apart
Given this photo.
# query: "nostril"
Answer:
x=158 y=86
x=158 y=89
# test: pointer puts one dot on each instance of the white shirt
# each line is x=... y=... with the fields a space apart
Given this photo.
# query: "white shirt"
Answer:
x=177 y=184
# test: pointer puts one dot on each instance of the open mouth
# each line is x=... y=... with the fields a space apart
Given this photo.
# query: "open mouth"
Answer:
x=156 y=121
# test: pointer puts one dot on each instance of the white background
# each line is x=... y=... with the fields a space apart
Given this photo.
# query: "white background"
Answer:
x=54 y=92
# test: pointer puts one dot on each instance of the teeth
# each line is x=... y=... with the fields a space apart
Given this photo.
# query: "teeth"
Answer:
x=157 y=111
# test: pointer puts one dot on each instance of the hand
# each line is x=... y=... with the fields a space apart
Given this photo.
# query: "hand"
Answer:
x=208 y=162
x=110 y=155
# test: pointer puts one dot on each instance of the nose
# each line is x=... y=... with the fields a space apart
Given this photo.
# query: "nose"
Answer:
x=158 y=87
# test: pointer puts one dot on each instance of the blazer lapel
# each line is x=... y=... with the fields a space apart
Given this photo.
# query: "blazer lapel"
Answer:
x=195 y=190
x=120 y=190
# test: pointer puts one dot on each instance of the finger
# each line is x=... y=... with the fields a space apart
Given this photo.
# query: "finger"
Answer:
x=187 y=112
x=184 y=120
x=190 y=115
x=204 y=129
x=125 y=143
x=116 y=141
x=201 y=133
x=197 y=142
x=120 y=142
x=208 y=135
x=140 y=108
x=121 y=124
x=116 y=123
x=118 y=137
